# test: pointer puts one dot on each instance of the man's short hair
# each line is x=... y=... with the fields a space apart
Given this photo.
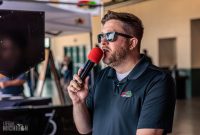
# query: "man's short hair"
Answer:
x=129 y=20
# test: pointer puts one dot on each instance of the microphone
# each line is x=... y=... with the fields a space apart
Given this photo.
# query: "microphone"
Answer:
x=94 y=57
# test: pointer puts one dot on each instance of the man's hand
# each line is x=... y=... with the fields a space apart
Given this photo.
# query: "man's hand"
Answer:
x=2 y=85
x=77 y=89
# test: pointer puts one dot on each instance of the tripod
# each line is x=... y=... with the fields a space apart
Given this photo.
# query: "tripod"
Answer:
x=42 y=77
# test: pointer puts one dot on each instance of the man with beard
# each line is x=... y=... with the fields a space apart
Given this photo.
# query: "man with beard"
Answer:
x=130 y=96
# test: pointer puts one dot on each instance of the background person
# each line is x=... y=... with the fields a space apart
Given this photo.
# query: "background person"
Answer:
x=12 y=86
x=145 y=52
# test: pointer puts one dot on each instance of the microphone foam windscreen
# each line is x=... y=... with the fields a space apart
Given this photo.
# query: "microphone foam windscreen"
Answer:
x=95 y=55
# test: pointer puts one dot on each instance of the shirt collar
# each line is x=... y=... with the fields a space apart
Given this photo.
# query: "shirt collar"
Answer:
x=137 y=71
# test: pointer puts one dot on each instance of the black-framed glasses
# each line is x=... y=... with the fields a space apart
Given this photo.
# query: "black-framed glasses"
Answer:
x=111 y=36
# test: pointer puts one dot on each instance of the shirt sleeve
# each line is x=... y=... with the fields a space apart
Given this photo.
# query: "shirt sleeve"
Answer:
x=158 y=107
x=22 y=77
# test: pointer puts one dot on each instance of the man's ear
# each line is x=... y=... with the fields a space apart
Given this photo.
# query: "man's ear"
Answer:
x=133 y=43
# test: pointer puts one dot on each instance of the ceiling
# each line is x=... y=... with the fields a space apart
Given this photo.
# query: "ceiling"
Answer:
x=56 y=20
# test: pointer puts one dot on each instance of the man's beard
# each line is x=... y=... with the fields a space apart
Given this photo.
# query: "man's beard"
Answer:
x=116 y=58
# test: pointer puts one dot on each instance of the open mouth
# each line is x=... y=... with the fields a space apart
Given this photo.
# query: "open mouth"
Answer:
x=105 y=50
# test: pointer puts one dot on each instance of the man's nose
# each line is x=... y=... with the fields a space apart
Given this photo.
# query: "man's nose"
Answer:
x=104 y=42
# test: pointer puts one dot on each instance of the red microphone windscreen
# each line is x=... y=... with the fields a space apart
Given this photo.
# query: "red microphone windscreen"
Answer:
x=95 y=55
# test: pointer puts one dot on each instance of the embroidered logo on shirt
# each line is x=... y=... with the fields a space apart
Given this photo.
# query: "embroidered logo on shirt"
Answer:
x=126 y=94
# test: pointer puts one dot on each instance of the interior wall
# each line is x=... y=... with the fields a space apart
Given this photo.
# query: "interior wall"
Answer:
x=58 y=43
x=96 y=28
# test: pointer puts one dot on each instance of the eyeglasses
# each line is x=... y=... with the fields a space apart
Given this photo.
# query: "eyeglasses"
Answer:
x=111 y=36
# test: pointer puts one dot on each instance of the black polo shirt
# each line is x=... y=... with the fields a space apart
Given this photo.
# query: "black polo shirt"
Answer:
x=144 y=99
